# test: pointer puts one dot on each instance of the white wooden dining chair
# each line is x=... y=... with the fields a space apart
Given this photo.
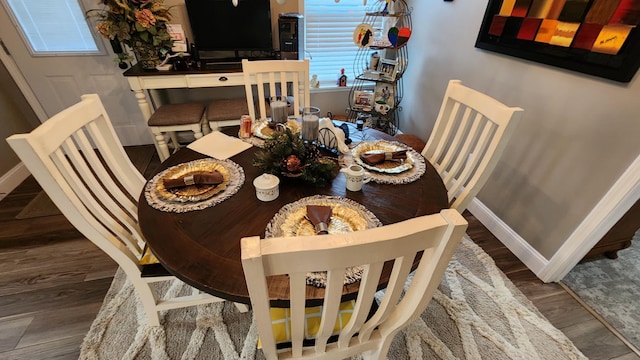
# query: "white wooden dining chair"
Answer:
x=284 y=78
x=369 y=334
x=78 y=160
x=470 y=133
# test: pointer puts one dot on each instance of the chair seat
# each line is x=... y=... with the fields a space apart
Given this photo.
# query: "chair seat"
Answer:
x=281 y=323
x=227 y=109
x=177 y=114
x=150 y=266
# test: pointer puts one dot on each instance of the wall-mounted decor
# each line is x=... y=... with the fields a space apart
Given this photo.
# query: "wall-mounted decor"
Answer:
x=597 y=37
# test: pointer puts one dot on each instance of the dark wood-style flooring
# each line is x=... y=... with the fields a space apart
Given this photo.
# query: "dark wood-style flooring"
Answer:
x=53 y=282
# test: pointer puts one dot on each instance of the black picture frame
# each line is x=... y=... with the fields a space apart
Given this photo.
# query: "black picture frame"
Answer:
x=619 y=67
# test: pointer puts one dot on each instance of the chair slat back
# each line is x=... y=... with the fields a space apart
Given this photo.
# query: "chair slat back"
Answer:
x=437 y=236
x=468 y=138
x=277 y=76
x=80 y=163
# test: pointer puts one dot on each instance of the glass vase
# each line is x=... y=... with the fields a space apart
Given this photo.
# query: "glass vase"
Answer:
x=147 y=55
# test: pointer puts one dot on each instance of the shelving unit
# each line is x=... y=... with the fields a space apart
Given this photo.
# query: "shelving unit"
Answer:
x=381 y=19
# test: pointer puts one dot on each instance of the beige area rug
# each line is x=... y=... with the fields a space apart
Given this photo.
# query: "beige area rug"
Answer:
x=41 y=205
x=477 y=313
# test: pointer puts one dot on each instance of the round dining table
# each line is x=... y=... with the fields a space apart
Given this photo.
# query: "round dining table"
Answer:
x=202 y=248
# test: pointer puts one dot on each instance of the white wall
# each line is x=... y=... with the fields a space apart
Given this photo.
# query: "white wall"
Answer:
x=578 y=133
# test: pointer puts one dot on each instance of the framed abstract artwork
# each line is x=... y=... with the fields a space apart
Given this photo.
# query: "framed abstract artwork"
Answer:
x=596 y=37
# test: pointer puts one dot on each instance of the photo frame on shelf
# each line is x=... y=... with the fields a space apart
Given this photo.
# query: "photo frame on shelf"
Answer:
x=388 y=69
x=363 y=99
x=384 y=94
x=598 y=38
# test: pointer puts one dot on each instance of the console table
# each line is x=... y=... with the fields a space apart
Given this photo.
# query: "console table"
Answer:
x=141 y=80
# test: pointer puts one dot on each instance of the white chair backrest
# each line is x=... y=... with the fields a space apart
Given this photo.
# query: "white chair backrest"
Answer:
x=276 y=75
x=438 y=235
x=468 y=138
x=80 y=163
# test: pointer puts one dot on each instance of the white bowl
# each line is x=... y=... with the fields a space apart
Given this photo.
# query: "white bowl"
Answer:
x=267 y=187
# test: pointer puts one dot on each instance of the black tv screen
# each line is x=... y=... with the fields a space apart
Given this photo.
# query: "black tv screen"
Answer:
x=217 y=25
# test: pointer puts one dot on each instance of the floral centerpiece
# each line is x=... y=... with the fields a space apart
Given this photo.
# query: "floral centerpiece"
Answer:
x=139 y=24
x=287 y=155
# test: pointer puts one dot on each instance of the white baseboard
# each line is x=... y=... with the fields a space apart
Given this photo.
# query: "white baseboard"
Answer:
x=12 y=179
x=514 y=242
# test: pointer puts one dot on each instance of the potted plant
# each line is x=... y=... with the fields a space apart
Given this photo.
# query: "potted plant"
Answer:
x=139 y=24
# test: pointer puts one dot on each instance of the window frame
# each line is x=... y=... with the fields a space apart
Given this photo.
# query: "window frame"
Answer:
x=97 y=39
x=327 y=82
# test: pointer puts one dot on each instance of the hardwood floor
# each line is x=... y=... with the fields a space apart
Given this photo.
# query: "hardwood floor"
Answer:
x=53 y=282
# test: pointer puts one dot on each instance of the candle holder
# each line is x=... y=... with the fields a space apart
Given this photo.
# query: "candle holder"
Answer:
x=310 y=123
x=279 y=110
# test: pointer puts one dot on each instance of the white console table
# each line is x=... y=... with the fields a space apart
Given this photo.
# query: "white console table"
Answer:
x=141 y=80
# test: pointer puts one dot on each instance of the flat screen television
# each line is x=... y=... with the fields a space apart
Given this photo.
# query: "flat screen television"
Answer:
x=218 y=26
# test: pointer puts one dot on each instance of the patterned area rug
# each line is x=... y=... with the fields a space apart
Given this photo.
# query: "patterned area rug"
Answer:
x=612 y=289
x=477 y=313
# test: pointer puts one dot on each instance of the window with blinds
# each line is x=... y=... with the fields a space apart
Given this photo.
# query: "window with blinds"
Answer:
x=329 y=28
x=51 y=27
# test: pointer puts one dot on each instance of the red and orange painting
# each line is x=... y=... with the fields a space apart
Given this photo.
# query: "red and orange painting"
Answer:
x=592 y=33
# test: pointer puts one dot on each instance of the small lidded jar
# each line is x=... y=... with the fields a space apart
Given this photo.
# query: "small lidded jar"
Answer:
x=267 y=187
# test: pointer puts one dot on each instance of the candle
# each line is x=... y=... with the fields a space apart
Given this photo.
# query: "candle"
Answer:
x=279 y=111
x=310 y=123
x=310 y=127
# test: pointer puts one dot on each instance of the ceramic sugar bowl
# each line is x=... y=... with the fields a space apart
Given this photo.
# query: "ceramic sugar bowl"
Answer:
x=267 y=187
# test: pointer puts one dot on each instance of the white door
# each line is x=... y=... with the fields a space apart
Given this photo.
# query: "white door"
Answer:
x=59 y=81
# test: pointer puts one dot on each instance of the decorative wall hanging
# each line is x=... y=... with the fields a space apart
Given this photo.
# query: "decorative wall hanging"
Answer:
x=363 y=35
x=596 y=37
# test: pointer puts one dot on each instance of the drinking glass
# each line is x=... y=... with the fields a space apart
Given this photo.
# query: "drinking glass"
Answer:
x=310 y=123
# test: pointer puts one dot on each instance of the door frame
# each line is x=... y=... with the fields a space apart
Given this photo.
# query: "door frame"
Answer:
x=611 y=207
x=22 y=83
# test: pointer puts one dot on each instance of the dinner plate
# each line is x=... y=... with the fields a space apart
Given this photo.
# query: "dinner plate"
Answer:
x=382 y=146
x=194 y=197
x=263 y=131
x=346 y=216
x=192 y=193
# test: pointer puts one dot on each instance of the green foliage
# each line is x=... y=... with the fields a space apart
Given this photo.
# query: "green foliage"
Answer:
x=315 y=170
x=133 y=21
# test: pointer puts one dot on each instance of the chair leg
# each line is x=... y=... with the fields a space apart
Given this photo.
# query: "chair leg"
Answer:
x=174 y=140
x=161 y=145
x=243 y=308
x=197 y=133
x=381 y=352
x=148 y=301
x=206 y=128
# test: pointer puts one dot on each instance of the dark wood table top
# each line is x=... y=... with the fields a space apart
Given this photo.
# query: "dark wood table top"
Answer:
x=202 y=248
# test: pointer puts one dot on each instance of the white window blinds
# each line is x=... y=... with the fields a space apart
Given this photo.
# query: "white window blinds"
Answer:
x=329 y=37
x=53 y=26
